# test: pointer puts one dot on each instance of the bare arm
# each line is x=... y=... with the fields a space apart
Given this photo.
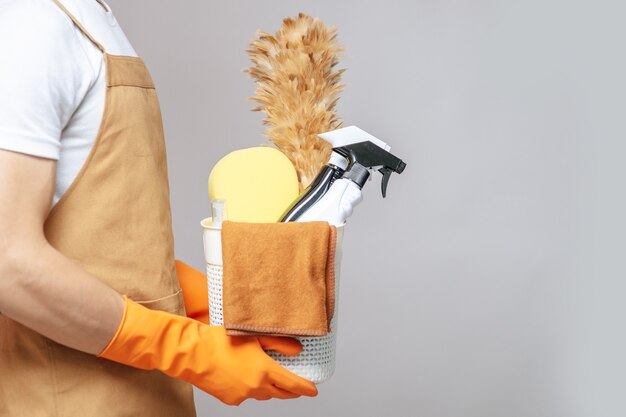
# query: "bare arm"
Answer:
x=39 y=286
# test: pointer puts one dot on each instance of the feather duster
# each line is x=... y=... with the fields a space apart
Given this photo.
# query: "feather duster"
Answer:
x=297 y=88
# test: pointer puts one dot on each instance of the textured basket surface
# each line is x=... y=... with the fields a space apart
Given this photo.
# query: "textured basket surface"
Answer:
x=316 y=362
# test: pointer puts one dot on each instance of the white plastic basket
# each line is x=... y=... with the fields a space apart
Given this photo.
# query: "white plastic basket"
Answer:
x=316 y=362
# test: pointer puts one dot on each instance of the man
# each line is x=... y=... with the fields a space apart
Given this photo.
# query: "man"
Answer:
x=92 y=310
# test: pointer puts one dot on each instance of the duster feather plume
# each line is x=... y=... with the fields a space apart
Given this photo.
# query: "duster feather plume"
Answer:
x=298 y=88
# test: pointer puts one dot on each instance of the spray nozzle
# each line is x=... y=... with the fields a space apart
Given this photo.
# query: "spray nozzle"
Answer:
x=361 y=148
x=386 y=175
x=370 y=155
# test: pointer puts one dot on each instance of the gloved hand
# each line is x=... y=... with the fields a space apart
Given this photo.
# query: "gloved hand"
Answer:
x=195 y=291
x=231 y=368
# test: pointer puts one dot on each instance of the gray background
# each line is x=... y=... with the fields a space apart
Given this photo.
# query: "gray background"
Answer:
x=490 y=282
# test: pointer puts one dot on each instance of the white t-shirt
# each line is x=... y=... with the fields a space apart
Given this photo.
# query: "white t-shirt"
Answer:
x=53 y=80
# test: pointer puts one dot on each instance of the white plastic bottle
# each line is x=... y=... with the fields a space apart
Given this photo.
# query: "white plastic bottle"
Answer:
x=339 y=202
x=218 y=210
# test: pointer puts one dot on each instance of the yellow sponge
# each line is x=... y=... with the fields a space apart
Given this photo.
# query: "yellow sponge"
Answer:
x=258 y=184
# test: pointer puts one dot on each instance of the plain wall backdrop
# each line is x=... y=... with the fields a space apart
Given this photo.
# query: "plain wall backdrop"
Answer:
x=490 y=282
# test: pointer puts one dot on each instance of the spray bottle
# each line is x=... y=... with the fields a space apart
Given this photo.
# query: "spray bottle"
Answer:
x=218 y=210
x=335 y=168
x=362 y=152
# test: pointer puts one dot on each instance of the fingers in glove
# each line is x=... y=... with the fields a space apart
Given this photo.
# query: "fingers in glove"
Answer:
x=285 y=345
x=282 y=394
x=288 y=381
x=194 y=286
x=234 y=401
x=263 y=397
x=273 y=391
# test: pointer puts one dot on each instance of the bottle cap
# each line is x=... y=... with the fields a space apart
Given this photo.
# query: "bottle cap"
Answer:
x=338 y=160
x=218 y=210
x=358 y=174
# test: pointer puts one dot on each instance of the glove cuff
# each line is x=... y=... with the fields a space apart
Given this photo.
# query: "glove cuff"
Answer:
x=117 y=332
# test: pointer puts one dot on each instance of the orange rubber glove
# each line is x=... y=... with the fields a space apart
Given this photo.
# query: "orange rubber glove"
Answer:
x=195 y=291
x=231 y=368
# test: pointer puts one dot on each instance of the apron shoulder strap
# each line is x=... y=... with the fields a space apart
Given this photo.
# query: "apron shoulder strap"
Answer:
x=80 y=26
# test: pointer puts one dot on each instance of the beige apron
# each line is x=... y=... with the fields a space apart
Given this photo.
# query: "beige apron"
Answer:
x=115 y=222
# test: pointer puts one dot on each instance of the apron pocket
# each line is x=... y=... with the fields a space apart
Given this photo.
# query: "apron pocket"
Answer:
x=173 y=303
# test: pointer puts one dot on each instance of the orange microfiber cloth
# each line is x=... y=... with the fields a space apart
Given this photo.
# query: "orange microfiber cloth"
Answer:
x=278 y=278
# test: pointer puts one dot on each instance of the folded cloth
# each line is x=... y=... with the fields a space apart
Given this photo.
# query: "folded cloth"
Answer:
x=278 y=278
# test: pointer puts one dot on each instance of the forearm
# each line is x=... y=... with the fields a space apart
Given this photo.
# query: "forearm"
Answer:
x=44 y=290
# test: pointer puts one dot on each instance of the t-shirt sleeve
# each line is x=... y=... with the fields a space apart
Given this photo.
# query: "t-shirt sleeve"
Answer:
x=44 y=75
